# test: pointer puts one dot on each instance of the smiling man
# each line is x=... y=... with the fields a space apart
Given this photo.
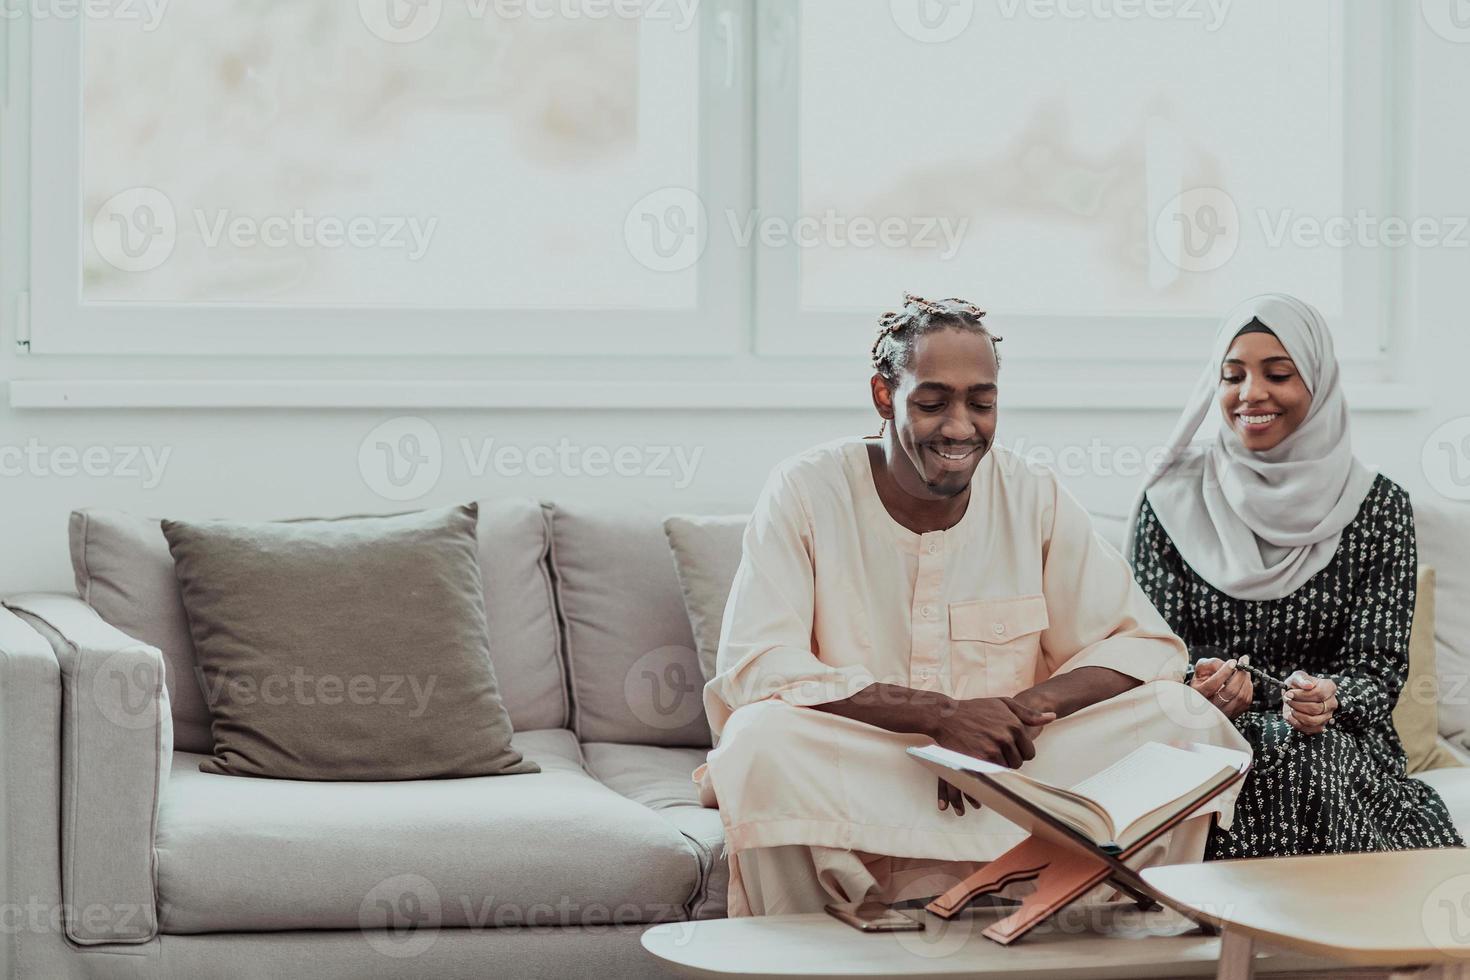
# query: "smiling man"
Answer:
x=925 y=586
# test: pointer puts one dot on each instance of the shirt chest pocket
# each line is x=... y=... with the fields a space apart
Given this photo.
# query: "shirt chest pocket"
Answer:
x=995 y=645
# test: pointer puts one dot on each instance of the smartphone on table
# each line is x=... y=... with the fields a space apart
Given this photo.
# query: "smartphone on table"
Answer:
x=875 y=917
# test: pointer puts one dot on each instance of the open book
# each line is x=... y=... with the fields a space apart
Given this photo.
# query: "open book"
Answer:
x=1115 y=808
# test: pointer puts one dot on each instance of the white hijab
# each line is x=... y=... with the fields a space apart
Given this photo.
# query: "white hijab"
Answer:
x=1259 y=525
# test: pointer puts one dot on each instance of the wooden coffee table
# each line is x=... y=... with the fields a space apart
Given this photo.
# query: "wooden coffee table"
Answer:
x=1111 y=942
x=1399 y=909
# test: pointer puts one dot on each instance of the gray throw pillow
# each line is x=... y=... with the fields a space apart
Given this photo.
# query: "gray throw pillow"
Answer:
x=706 y=555
x=347 y=649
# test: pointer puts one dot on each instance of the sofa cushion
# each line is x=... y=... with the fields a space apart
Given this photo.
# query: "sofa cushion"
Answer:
x=1453 y=786
x=707 y=552
x=634 y=672
x=554 y=847
x=123 y=569
x=659 y=777
x=352 y=648
x=1416 y=715
x=1442 y=530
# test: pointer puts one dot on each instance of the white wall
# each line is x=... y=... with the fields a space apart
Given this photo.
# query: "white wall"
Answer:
x=276 y=463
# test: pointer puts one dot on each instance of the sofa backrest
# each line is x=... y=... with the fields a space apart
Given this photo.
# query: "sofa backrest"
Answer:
x=630 y=650
x=124 y=570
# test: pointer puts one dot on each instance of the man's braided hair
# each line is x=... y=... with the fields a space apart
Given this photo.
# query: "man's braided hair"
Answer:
x=898 y=330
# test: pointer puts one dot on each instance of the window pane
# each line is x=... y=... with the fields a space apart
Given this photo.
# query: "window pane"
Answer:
x=1052 y=140
x=319 y=152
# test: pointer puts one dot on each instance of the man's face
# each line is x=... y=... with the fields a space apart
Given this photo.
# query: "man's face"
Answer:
x=944 y=413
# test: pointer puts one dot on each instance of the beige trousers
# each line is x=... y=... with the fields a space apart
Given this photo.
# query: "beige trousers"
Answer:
x=795 y=878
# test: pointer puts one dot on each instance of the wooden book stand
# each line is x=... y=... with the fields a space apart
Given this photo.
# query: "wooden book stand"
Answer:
x=1064 y=864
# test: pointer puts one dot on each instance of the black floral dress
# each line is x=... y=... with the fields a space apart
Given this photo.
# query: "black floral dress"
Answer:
x=1346 y=789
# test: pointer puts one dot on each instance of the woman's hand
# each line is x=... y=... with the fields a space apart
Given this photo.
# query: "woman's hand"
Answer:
x=1227 y=687
x=1309 y=703
x=953 y=798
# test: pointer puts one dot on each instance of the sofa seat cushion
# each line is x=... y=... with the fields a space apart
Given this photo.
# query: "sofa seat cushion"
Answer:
x=1453 y=786
x=659 y=778
x=550 y=848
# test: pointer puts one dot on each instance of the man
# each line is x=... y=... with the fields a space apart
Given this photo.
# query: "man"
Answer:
x=925 y=586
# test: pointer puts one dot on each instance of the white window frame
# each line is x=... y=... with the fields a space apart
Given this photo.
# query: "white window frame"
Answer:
x=746 y=351
x=60 y=322
x=1372 y=64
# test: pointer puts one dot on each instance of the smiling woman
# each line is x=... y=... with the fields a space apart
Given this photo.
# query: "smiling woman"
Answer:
x=1262 y=394
x=1271 y=540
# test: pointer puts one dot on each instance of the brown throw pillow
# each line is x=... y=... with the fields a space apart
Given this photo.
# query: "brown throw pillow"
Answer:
x=347 y=649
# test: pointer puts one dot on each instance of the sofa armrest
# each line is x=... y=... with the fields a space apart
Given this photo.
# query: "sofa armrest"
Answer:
x=116 y=748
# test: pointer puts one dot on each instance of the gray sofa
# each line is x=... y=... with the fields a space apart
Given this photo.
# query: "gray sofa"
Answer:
x=123 y=860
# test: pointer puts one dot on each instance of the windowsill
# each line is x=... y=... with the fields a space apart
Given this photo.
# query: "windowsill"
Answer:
x=502 y=394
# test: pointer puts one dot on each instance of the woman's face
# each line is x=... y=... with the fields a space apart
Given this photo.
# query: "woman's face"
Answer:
x=1262 y=396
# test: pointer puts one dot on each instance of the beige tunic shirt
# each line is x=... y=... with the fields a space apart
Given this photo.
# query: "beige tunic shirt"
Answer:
x=833 y=594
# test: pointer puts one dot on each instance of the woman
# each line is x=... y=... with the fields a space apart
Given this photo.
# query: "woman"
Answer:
x=1269 y=538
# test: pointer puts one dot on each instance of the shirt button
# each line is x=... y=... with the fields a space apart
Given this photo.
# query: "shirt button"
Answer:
x=928 y=612
x=934 y=549
x=1000 y=629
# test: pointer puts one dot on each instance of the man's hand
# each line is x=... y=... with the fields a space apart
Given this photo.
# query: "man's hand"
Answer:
x=998 y=730
x=1226 y=686
x=953 y=798
x=1309 y=702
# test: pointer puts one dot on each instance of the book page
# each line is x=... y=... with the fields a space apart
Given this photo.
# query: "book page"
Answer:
x=1147 y=779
